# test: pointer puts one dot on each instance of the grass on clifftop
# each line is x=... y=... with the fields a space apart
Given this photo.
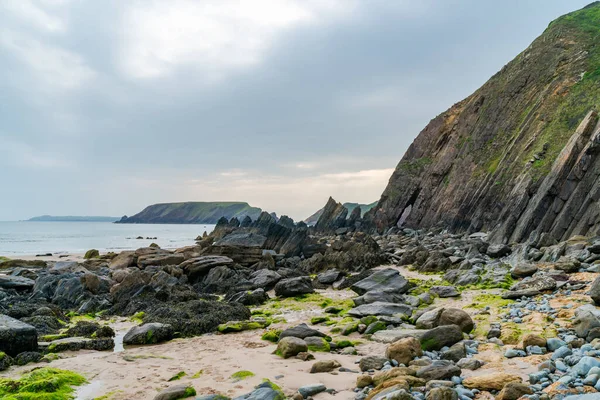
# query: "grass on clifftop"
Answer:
x=41 y=384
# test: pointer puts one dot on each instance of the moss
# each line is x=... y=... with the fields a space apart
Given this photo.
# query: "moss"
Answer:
x=177 y=376
x=414 y=166
x=429 y=344
x=2 y=355
x=318 y=320
x=198 y=374
x=241 y=375
x=341 y=344
x=50 y=338
x=350 y=328
x=489 y=300
x=138 y=317
x=93 y=253
x=189 y=392
x=272 y=385
x=3 y=259
x=240 y=326
x=323 y=346
x=109 y=396
x=368 y=320
x=41 y=384
x=272 y=335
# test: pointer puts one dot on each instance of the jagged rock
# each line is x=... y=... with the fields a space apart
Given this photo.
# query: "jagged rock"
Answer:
x=382 y=280
x=249 y=298
x=16 y=282
x=201 y=265
x=150 y=333
x=242 y=240
x=294 y=287
x=333 y=217
x=16 y=336
x=265 y=279
x=380 y=308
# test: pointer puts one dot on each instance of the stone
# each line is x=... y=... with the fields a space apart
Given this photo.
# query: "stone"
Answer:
x=586 y=318
x=594 y=291
x=311 y=390
x=455 y=353
x=240 y=326
x=469 y=363
x=436 y=338
x=444 y=291
x=80 y=343
x=514 y=390
x=363 y=381
x=438 y=370
x=324 y=366
x=584 y=366
x=301 y=331
x=379 y=296
x=455 y=316
x=406 y=373
x=404 y=350
x=498 y=250
x=249 y=298
x=317 y=344
x=381 y=308
x=375 y=327
x=290 y=346
x=123 y=260
x=16 y=336
x=265 y=279
x=198 y=266
x=533 y=340
x=372 y=362
x=16 y=282
x=328 y=277
x=442 y=393
x=531 y=286
x=491 y=381
x=383 y=280
x=150 y=333
x=264 y=391
x=176 y=392
x=523 y=270
x=293 y=287
x=159 y=258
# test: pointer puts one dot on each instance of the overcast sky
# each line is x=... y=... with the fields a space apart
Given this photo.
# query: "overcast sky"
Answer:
x=109 y=106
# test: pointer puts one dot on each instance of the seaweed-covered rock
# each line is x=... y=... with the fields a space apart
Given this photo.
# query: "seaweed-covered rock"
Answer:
x=291 y=346
x=249 y=298
x=27 y=357
x=16 y=336
x=80 y=343
x=176 y=392
x=294 y=287
x=5 y=361
x=150 y=333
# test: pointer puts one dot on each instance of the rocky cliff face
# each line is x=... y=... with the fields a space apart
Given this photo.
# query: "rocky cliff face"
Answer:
x=518 y=157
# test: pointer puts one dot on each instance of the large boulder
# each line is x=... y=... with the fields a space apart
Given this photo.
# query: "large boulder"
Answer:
x=404 y=350
x=445 y=316
x=523 y=270
x=265 y=279
x=436 y=338
x=249 y=298
x=498 y=250
x=439 y=370
x=69 y=293
x=150 y=333
x=381 y=308
x=301 y=331
x=294 y=287
x=198 y=266
x=124 y=260
x=176 y=392
x=383 y=280
x=595 y=291
x=16 y=336
x=587 y=318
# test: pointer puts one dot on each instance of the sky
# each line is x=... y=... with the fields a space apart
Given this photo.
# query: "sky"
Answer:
x=109 y=106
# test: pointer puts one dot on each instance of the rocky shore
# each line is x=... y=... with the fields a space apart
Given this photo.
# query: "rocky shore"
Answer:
x=271 y=309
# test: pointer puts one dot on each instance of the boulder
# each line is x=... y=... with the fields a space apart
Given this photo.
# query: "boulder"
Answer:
x=381 y=308
x=491 y=381
x=150 y=333
x=328 y=277
x=80 y=343
x=586 y=318
x=595 y=291
x=249 y=298
x=455 y=353
x=436 y=338
x=290 y=346
x=199 y=266
x=498 y=250
x=533 y=340
x=531 y=286
x=383 y=280
x=404 y=350
x=160 y=258
x=446 y=316
x=444 y=291
x=324 y=366
x=438 y=370
x=16 y=336
x=294 y=287
x=379 y=295
x=124 y=260
x=372 y=363
x=514 y=390
x=442 y=393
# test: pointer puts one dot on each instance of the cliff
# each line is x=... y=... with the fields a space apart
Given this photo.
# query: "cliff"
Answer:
x=518 y=157
x=192 y=213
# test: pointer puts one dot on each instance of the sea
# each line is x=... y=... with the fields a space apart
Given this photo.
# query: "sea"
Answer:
x=32 y=238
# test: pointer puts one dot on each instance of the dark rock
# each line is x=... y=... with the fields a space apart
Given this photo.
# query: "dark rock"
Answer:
x=198 y=266
x=531 y=286
x=150 y=333
x=380 y=308
x=379 y=296
x=372 y=362
x=595 y=291
x=328 y=277
x=444 y=291
x=523 y=270
x=436 y=338
x=247 y=298
x=439 y=370
x=498 y=250
x=27 y=357
x=16 y=336
x=294 y=287
x=176 y=392
x=265 y=279
x=15 y=282
x=333 y=217
x=382 y=280
x=301 y=331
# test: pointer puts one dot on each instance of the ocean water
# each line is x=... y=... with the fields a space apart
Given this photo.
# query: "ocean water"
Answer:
x=30 y=238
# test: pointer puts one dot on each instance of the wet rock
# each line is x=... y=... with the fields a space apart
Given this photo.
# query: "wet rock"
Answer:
x=324 y=366
x=404 y=350
x=310 y=390
x=265 y=278
x=436 y=338
x=16 y=282
x=291 y=346
x=150 y=333
x=5 y=361
x=27 y=357
x=382 y=280
x=80 y=343
x=16 y=336
x=294 y=287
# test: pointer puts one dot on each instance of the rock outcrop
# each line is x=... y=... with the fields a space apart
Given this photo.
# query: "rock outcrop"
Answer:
x=519 y=156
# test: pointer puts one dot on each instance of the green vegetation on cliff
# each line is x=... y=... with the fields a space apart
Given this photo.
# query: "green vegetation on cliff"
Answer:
x=192 y=213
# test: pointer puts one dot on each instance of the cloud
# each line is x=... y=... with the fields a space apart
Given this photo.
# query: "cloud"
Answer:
x=34 y=14
x=214 y=36
x=53 y=66
x=15 y=153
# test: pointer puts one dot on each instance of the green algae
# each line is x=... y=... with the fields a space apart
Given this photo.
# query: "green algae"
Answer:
x=177 y=376
x=241 y=375
x=272 y=335
x=41 y=384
